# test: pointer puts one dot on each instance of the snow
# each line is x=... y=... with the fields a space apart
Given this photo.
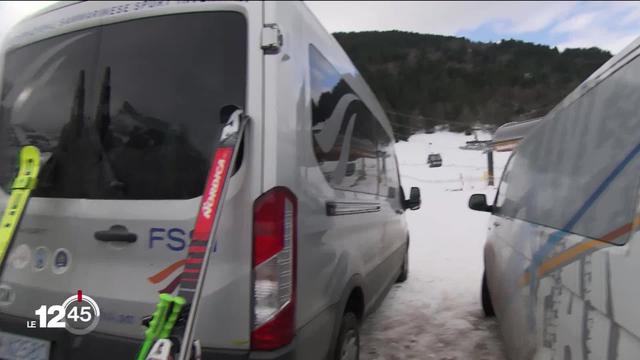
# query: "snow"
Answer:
x=437 y=313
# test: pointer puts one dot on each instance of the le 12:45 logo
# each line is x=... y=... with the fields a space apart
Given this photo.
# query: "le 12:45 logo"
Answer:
x=78 y=314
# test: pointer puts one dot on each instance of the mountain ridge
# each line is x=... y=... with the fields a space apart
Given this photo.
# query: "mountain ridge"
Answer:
x=423 y=80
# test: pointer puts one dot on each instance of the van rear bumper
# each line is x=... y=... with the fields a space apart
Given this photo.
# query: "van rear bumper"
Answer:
x=314 y=338
x=97 y=346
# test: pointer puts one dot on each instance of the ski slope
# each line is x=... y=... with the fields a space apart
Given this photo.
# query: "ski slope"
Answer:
x=437 y=314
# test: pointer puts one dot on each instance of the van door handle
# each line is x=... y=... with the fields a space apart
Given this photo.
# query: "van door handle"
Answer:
x=496 y=224
x=117 y=233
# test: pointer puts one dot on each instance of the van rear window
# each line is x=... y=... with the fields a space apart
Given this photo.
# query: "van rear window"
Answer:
x=124 y=111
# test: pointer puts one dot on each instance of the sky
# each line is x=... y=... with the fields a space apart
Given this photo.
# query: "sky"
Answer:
x=13 y=11
x=608 y=25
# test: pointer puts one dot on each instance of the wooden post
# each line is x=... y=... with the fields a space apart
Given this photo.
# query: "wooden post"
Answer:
x=490 y=166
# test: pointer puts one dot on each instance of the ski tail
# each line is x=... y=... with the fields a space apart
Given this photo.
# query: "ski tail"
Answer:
x=207 y=221
x=21 y=189
x=156 y=325
x=199 y=243
x=160 y=325
x=177 y=319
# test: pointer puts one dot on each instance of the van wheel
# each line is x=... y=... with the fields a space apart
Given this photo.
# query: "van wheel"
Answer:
x=404 y=273
x=348 y=338
x=487 y=305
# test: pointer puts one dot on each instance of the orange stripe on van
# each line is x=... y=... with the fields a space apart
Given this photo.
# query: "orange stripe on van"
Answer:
x=507 y=145
x=569 y=255
x=618 y=232
x=163 y=274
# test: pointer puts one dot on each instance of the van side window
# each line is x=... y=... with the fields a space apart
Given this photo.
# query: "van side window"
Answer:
x=387 y=163
x=346 y=135
x=578 y=170
x=502 y=188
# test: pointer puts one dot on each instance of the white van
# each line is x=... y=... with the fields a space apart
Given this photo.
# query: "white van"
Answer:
x=126 y=100
x=563 y=247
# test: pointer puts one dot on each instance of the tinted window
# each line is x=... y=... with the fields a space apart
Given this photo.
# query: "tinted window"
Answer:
x=501 y=207
x=347 y=138
x=578 y=171
x=124 y=111
x=389 y=175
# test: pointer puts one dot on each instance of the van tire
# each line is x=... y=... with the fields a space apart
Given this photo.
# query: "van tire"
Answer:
x=348 y=346
x=404 y=270
x=487 y=305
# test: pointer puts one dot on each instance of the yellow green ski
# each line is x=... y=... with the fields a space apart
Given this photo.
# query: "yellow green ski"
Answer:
x=21 y=189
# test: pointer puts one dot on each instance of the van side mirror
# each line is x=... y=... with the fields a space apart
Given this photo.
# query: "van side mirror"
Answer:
x=414 y=201
x=478 y=202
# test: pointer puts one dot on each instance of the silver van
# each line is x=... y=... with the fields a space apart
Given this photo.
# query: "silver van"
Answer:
x=563 y=246
x=125 y=100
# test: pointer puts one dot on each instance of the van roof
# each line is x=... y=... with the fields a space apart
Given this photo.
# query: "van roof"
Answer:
x=68 y=16
x=55 y=6
x=509 y=135
x=607 y=69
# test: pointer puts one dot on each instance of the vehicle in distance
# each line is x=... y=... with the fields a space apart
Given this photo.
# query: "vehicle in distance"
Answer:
x=563 y=249
x=125 y=101
x=434 y=160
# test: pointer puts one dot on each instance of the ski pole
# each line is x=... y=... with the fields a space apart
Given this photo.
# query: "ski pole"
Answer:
x=176 y=309
x=207 y=222
x=175 y=328
x=156 y=325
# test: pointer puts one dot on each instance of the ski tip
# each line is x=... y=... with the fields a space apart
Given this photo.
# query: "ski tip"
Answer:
x=29 y=164
x=30 y=152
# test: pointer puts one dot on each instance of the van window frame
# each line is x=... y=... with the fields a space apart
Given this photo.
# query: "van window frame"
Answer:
x=503 y=178
x=374 y=131
x=101 y=28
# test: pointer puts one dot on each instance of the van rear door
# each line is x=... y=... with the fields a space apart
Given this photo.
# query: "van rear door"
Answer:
x=126 y=116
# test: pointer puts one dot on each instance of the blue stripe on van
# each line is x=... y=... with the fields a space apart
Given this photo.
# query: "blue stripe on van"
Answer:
x=556 y=236
x=596 y=194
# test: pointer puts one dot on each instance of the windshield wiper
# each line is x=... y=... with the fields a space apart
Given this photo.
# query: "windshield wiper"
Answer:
x=72 y=130
x=103 y=121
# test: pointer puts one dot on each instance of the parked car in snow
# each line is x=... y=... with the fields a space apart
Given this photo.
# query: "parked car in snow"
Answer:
x=563 y=248
x=125 y=101
x=434 y=160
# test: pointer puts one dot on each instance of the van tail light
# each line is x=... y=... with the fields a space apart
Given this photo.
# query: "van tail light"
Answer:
x=274 y=269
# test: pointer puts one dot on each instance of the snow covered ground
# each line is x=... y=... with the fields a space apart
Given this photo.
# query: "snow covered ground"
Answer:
x=437 y=314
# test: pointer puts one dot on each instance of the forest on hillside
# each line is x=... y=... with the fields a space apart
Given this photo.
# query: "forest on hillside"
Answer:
x=424 y=80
